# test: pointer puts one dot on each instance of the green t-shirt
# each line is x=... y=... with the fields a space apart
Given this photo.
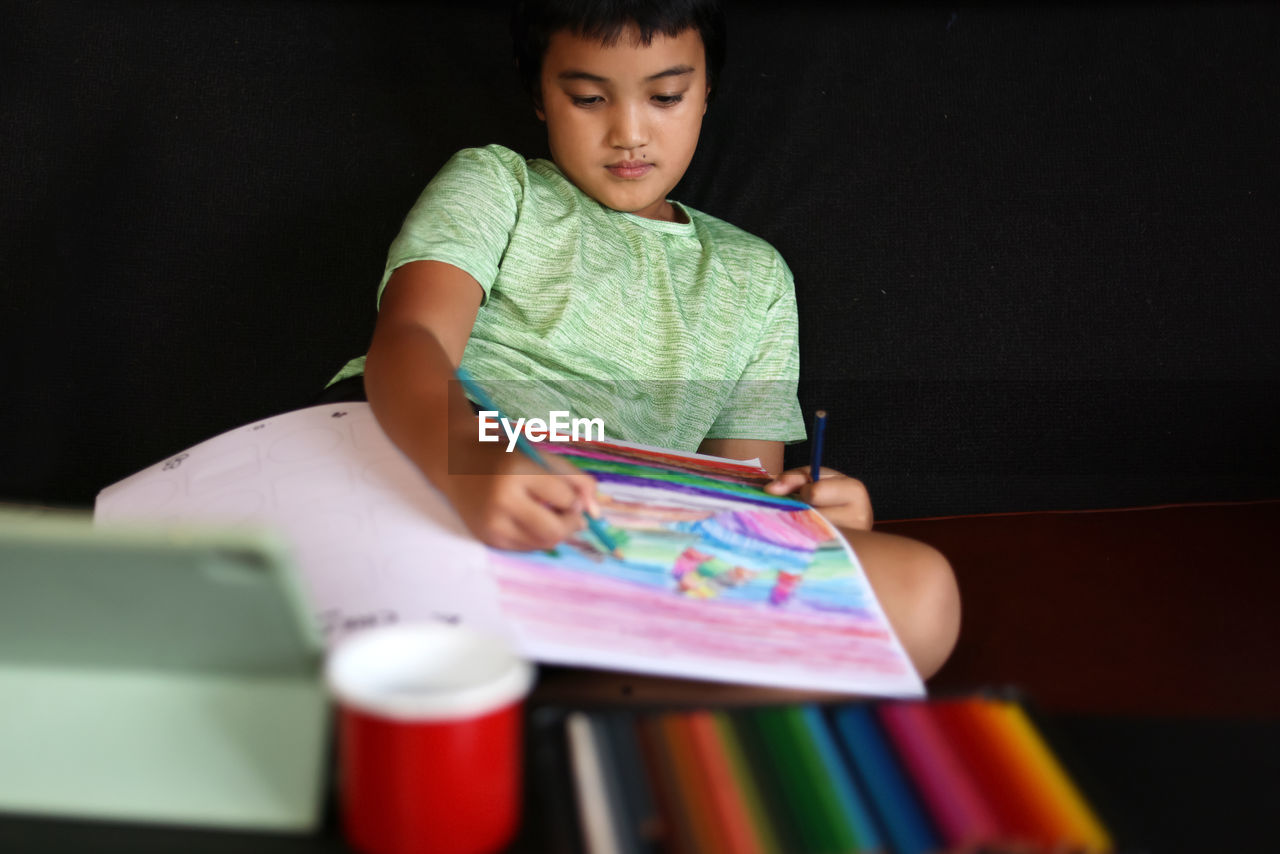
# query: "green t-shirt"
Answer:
x=669 y=333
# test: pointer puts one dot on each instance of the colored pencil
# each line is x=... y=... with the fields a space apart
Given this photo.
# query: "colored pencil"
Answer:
x=679 y=836
x=823 y=823
x=620 y=782
x=522 y=442
x=748 y=788
x=644 y=819
x=888 y=776
x=693 y=795
x=553 y=809
x=906 y=824
x=731 y=812
x=959 y=809
x=815 y=455
x=853 y=797
x=964 y=724
x=596 y=814
x=773 y=784
x=1064 y=816
x=838 y=821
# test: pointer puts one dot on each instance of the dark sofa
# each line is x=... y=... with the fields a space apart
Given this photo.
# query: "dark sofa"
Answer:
x=1035 y=246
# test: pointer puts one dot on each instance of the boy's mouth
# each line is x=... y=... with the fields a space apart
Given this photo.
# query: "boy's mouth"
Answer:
x=630 y=168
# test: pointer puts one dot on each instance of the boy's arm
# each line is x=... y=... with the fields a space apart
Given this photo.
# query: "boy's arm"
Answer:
x=425 y=317
x=769 y=452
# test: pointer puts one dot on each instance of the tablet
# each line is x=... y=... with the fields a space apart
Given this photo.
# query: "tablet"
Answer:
x=157 y=674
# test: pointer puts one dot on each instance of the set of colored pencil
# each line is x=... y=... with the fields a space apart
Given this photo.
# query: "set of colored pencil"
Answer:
x=902 y=777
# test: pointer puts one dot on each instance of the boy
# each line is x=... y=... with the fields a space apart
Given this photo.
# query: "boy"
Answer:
x=579 y=278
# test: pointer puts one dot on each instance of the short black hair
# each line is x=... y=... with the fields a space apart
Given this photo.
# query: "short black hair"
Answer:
x=533 y=22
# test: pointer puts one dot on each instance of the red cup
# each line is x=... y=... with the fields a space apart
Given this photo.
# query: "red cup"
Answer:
x=429 y=733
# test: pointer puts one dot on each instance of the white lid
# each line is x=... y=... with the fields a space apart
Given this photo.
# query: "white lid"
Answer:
x=427 y=672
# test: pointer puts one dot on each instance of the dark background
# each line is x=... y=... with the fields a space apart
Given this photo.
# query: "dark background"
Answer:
x=1036 y=247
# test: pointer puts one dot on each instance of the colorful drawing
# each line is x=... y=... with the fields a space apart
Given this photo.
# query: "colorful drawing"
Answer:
x=717 y=579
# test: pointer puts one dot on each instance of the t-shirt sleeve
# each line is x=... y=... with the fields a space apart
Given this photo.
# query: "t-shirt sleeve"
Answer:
x=763 y=404
x=464 y=216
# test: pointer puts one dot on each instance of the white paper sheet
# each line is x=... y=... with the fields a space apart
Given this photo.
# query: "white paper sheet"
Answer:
x=374 y=542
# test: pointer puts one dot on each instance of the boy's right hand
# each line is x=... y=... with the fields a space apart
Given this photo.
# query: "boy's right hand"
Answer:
x=513 y=503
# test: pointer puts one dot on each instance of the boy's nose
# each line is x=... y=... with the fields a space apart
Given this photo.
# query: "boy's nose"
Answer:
x=628 y=129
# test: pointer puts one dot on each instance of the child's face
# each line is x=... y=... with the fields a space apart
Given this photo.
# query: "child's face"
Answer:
x=623 y=121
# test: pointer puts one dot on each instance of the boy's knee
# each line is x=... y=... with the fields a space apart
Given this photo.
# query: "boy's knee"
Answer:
x=917 y=589
x=936 y=605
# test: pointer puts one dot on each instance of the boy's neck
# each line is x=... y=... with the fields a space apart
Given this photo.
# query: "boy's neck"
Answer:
x=673 y=213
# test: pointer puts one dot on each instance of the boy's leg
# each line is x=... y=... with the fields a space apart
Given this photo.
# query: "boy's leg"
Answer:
x=917 y=589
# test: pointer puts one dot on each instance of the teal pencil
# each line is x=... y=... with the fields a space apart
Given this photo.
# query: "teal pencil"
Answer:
x=852 y=797
x=596 y=526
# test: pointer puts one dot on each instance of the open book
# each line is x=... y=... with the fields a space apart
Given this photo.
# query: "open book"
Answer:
x=717 y=580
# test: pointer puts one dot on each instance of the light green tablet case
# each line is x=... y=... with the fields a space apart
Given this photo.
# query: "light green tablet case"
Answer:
x=157 y=675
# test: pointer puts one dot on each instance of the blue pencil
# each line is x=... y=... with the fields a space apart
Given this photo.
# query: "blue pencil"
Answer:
x=596 y=526
x=815 y=457
x=906 y=822
x=852 y=798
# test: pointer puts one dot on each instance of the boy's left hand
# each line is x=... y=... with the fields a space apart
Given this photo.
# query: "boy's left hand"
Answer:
x=842 y=499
